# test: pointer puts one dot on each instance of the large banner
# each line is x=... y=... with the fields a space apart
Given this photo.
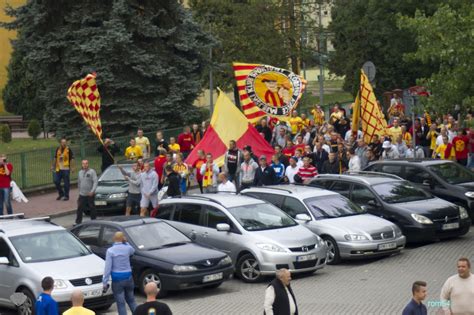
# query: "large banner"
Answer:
x=267 y=91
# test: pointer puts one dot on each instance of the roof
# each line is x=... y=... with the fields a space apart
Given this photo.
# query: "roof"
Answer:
x=227 y=200
x=294 y=190
x=406 y=161
x=126 y=221
x=16 y=227
x=369 y=179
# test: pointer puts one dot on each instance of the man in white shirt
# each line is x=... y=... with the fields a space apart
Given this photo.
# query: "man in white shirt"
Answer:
x=354 y=161
x=279 y=297
x=225 y=185
x=390 y=151
x=457 y=294
x=292 y=170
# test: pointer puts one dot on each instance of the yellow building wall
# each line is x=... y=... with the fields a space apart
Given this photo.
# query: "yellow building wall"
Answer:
x=5 y=47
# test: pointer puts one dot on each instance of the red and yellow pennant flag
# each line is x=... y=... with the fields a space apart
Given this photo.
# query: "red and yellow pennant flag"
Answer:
x=267 y=90
x=84 y=96
x=371 y=117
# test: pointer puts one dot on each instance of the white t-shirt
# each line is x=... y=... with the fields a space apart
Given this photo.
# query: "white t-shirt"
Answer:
x=270 y=298
x=228 y=187
x=460 y=294
x=291 y=172
x=143 y=143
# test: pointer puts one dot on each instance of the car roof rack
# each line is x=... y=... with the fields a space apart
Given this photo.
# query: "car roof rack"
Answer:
x=198 y=197
x=12 y=216
x=275 y=188
x=373 y=174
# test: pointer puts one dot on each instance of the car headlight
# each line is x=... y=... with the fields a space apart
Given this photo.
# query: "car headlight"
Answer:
x=270 y=247
x=184 y=268
x=118 y=196
x=320 y=242
x=463 y=213
x=469 y=194
x=225 y=261
x=355 y=237
x=398 y=232
x=59 y=284
x=421 y=219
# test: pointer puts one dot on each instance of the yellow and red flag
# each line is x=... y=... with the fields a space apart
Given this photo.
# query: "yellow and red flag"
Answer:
x=228 y=123
x=84 y=96
x=267 y=90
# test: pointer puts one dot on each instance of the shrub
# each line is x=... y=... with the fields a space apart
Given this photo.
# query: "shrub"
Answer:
x=34 y=129
x=5 y=133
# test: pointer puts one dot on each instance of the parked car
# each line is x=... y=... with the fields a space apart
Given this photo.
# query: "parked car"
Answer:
x=348 y=230
x=112 y=190
x=420 y=215
x=259 y=237
x=32 y=249
x=162 y=254
x=445 y=179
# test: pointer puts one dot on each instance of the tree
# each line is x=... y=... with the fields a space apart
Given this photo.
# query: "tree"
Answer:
x=148 y=55
x=445 y=38
x=367 y=30
x=34 y=129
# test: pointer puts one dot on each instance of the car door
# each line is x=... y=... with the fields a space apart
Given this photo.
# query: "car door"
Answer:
x=165 y=211
x=187 y=219
x=341 y=187
x=424 y=180
x=89 y=234
x=364 y=197
x=10 y=273
x=106 y=239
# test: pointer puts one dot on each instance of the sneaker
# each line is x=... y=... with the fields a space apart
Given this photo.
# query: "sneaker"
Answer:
x=66 y=198
x=59 y=198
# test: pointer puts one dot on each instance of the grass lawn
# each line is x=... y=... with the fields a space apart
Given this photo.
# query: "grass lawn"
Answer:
x=329 y=99
x=21 y=145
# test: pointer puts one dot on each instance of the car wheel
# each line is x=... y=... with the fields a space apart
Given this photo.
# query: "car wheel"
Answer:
x=151 y=275
x=248 y=269
x=213 y=286
x=27 y=308
x=333 y=257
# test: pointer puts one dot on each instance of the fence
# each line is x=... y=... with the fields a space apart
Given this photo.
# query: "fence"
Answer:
x=32 y=169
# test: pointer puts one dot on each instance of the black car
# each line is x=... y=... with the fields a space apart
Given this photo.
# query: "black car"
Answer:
x=420 y=215
x=162 y=253
x=112 y=190
x=445 y=179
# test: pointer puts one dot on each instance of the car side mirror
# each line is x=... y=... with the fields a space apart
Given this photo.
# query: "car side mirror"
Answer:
x=4 y=261
x=372 y=203
x=223 y=227
x=303 y=217
x=428 y=183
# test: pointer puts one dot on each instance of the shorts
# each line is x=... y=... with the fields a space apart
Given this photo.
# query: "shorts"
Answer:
x=133 y=200
x=145 y=202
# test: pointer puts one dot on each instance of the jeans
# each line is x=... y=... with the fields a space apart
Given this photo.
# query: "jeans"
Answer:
x=85 y=203
x=5 y=199
x=123 y=294
x=64 y=175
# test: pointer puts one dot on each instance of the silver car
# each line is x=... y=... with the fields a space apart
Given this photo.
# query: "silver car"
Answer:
x=349 y=231
x=31 y=250
x=259 y=237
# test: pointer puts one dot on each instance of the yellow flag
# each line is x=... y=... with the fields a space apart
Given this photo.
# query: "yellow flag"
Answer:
x=356 y=115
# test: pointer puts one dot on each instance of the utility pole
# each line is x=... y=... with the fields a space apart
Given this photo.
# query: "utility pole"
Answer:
x=321 y=66
x=211 y=83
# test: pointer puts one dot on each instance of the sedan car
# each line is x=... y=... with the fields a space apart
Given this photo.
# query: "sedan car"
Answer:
x=349 y=231
x=112 y=190
x=162 y=254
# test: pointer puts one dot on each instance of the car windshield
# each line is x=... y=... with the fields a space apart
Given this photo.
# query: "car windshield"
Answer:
x=48 y=246
x=332 y=207
x=113 y=174
x=400 y=191
x=453 y=173
x=262 y=216
x=155 y=235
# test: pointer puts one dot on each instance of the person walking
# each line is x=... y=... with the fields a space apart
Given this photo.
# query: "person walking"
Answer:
x=6 y=170
x=152 y=306
x=209 y=172
x=108 y=151
x=77 y=301
x=149 y=189
x=159 y=164
x=457 y=294
x=265 y=174
x=87 y=184
x=197 y=166
x=247 y=171
x=134 y=194
x=62 y=167
x=279 y=297
x=225 y=184
x=45 y=304
x=117 y=267
x=415 y=306
x=143 y=143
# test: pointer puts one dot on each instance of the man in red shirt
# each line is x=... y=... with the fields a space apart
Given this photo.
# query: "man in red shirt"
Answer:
x=307 y=171
x=6 y=170
x=289 y=150
x=461 y=147
x=186 y=142
x=197 y=166
x=160 y=161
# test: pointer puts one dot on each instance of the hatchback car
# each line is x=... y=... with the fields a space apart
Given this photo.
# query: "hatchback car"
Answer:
x=259 y=237
x=420 y=215
x=31 y=249
x=162 y=254
x=112 y=190
x=445 y=179
x=349 y=231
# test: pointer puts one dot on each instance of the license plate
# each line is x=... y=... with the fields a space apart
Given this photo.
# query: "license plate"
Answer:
x=387 y=246
x=94 y=293
x=306 y=257
x=100 y=203
x=213 y=277
x=450 y=226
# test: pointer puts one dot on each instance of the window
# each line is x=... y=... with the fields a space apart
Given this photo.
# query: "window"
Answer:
x=214 y=216
x=164 y=212
x=392 y=169
x=361 y=195
x=90 y=234
x=293 y=206
x=188 y=213
x=276 y=200
x=342 y=187
x=5 y=251
x=324 y=184
x=417 y=175
x=108 y=235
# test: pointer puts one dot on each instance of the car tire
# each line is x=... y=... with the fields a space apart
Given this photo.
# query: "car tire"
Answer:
x=248 y=269
x=27 y=308
x=213 y=286
x=333 y=257
x=151 y=275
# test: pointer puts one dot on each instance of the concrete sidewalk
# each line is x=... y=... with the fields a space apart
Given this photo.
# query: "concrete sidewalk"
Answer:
x=46 y=204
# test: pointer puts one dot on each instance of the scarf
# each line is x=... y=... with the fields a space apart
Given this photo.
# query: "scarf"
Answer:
x=65 y=154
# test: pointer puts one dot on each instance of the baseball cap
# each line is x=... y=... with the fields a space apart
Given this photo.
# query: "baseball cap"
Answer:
x=386 y=144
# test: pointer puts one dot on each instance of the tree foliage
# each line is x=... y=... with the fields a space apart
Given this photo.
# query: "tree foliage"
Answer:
x=148 y=55
x=446 y=38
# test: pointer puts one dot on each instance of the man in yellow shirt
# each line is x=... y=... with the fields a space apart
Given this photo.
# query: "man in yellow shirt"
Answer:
x=173 y=146
x=441 y=151
x=296 y=123
x=406 y=136
x=318 y=115
x=395 y=131
x=143 y=143
x=133 y=152
x=77 y=299
x=305 y=120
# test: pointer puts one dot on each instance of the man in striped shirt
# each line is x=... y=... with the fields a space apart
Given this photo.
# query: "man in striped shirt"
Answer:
x=307 y=171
